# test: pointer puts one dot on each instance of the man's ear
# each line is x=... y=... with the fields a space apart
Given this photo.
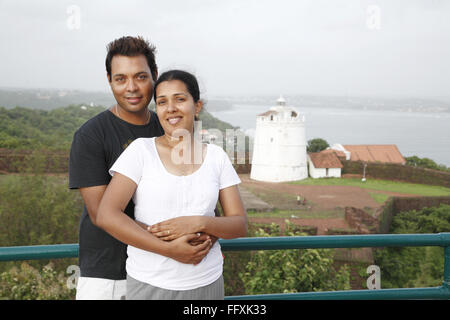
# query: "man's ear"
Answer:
x=108 y=77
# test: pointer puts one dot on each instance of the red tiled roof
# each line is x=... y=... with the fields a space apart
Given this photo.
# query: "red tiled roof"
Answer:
x=337 y=152
x=267 y=113
x=387 y=153
x=325 y=160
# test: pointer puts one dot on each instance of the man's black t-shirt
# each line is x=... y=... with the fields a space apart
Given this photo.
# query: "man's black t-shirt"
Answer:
x=96 y=146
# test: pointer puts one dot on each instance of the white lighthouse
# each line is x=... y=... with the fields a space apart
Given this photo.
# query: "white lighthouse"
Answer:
x=279 y=150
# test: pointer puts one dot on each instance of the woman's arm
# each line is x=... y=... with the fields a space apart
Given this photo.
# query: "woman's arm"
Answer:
x=233 y=225
x=112 y=219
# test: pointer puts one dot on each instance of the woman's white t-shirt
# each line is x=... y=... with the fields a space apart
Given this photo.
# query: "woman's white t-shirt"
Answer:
x=160 y=196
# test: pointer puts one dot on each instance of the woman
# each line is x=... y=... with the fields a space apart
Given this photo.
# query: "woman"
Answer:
x=175 y=182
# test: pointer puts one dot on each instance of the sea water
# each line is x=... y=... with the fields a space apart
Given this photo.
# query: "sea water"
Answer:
x=424 y=134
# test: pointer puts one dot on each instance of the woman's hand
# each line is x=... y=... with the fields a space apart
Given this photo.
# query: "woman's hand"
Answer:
x=202 y=237
x=182 y=251
x=177 y=227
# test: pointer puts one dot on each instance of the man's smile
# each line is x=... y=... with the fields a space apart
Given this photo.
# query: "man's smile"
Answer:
x=133 y=100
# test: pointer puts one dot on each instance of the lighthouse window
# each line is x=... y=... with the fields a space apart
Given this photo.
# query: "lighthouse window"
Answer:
x=271 y=139
x=271 y=118
x=293 y=114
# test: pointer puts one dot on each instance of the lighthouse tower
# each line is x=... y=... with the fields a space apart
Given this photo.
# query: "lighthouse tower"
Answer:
x=279 y=150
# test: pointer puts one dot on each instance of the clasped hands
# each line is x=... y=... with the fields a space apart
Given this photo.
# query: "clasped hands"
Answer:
x=188 y=227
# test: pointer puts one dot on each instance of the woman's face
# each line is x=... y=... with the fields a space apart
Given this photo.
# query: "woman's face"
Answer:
x=175 y=106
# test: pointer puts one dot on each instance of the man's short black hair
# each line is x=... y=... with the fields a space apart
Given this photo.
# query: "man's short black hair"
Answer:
x=131 y=47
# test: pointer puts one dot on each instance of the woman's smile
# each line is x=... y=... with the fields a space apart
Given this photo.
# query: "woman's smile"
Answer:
x=174 y=120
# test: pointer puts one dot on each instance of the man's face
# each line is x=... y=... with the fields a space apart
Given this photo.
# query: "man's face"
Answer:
x=131 y=82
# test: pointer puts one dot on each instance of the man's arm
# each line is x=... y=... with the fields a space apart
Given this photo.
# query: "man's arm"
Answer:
x=111 y=218
x=92 y=197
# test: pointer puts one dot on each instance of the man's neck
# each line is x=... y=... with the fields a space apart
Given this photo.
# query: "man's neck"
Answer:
x=136 y=118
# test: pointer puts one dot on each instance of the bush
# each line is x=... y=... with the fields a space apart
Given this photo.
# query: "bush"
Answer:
x=38 y=209
x=414 y=266
x=27 y=283
x=287 y=271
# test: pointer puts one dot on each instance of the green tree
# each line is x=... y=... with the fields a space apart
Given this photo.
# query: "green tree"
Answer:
x=414 y=266
x=286 y=271
x=415 y=161
x=316 y=145
x=24 y=128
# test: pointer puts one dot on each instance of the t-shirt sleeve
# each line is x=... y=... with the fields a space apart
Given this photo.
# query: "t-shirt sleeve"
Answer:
x=228 y=176
x=87 y=165
x=130 y=163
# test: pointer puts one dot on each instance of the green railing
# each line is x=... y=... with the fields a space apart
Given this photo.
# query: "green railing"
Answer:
x=306 y=242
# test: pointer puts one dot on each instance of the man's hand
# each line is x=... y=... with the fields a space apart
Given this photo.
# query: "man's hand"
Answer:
x=174 y=228
x=203 y=236
x=156 y=231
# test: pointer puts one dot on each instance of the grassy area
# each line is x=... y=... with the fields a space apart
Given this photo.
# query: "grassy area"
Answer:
x=330 y=214
x=379 y=197
x=280 y=200
x=381 y=185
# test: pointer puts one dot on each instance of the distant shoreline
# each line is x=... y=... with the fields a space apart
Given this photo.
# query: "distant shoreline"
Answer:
x=43 y=98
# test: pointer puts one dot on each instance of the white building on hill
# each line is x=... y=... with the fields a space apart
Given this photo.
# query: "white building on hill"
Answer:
x=324 y=164
x=279 y=150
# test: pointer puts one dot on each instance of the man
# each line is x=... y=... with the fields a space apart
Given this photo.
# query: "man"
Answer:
x=131 y=73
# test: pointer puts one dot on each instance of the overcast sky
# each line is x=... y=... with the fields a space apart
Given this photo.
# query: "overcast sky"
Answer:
x=237 y=47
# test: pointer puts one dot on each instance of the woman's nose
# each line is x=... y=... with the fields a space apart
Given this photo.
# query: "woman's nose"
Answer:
x=171 y=106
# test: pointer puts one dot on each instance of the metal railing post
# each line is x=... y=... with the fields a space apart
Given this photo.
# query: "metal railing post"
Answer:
x=446 y=283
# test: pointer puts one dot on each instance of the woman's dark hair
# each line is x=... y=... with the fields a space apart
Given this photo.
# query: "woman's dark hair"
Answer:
x=187 y=78
x=132 y=47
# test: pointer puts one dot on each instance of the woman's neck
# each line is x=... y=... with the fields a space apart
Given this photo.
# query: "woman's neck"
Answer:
x=188 y=148
x=172 y=141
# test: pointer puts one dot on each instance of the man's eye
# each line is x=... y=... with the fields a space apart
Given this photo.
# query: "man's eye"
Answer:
x=120 y=79
x=143 y=77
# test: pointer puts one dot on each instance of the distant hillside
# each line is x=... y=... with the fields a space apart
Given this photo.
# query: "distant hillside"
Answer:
x=23 y=128
x=47 y=99
x=438 y=104
x=52 y=99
